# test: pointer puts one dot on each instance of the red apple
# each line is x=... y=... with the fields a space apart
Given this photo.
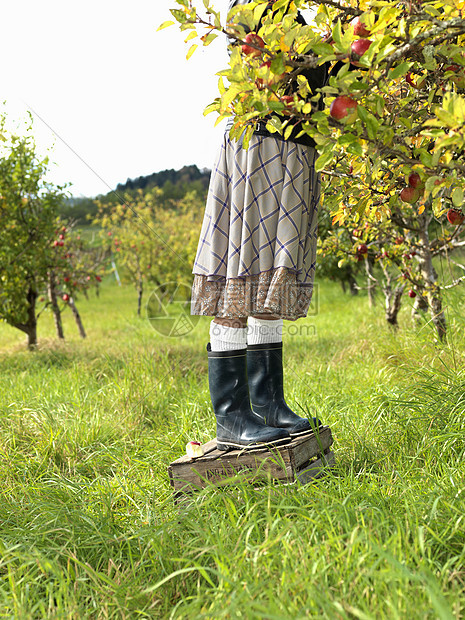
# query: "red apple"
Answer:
x=344 y=109
x=98 y=278
x=412 y=294
x=410 y=195
x=419 y=84
x=455 y=217
x=358 y=48
x=360 y=30
x=61 y=243
x=414 y=180
x=288 y=101
x=409 y=79
x=362 y=249
x=61 y=237
x=65 y=297
x=459 y=78
x=66 y=279
x=252 y=39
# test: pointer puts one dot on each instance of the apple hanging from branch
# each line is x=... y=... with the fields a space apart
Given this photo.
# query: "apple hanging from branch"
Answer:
x=455 y=217
x=358 y=49
x=252 y=42
x=344 y=109
x=360 y=30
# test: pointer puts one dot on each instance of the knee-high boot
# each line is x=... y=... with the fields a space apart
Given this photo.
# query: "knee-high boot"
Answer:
x=265 y=375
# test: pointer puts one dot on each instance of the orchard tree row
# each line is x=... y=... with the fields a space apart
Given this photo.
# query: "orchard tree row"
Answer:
x=149 y=244
x=389 y=124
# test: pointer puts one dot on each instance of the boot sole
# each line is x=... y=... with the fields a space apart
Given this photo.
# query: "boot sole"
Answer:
x=254 y=446
x=305 y=432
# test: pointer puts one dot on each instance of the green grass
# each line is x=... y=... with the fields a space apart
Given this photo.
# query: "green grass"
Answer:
x=87 y=429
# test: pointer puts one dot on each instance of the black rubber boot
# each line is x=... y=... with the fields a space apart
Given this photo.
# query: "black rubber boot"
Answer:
x=236 y=425
x=265 y=375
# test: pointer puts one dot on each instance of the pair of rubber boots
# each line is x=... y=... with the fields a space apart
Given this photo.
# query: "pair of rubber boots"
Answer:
x=246 y=389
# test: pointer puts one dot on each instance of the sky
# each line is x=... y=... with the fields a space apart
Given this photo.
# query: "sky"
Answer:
x=115 y=98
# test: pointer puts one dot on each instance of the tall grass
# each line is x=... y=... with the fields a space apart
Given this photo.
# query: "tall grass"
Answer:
x=88 y=524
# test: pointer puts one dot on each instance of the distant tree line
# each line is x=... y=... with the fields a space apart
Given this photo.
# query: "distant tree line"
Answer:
x=170 y=180
x=174 y=185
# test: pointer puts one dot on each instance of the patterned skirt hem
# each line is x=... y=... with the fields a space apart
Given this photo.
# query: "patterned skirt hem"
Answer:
x=276 y=292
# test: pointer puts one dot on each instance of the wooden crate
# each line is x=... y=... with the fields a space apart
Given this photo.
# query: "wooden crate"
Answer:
x=302 y=459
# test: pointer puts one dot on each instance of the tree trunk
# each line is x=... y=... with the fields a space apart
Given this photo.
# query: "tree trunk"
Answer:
x=352 y=284
x=371 y=282
x=30 y=327
x=31 y=319
x=420 y=306
x=77 y=317
x=52 y=295
x=393 y=300
x=140 y=292
x=430 y=279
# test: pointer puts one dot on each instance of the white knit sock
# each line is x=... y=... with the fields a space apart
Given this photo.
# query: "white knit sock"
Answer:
x=223 y=338
x=261 y=331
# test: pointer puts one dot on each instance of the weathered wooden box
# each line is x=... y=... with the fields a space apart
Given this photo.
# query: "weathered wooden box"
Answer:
x=302 y=459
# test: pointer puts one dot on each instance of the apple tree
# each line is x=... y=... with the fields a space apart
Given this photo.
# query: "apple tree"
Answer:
x=28 y=216
x=77 y=267
x=394 y=104
x=151 y=242
x=398 y=257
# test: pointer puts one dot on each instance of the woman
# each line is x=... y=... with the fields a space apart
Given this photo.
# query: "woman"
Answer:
x=254 y=267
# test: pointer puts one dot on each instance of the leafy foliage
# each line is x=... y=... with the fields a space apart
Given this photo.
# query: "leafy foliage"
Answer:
x=150 y=242
x=392 y=108
x=407 y=86
x=40 y=257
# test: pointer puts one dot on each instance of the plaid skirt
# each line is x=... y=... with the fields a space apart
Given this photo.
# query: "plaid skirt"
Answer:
x=257 y=248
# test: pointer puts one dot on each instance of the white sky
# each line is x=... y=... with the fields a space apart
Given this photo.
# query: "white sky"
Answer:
x=117 y=92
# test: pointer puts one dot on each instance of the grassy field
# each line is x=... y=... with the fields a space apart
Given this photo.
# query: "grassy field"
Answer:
x=87 y=429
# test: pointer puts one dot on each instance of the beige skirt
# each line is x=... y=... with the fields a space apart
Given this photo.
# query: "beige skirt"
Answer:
x=257 y=247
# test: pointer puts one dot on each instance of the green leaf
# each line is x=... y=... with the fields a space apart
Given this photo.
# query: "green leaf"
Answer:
x=288 y=131
x=457 y=197
x=274 y=125
x=337 y=33
x=324 y=160
x=276 y=106
x=355 y=149
x=277 y=65
x=178 y=15
x=399 y=70
x=209 y=38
